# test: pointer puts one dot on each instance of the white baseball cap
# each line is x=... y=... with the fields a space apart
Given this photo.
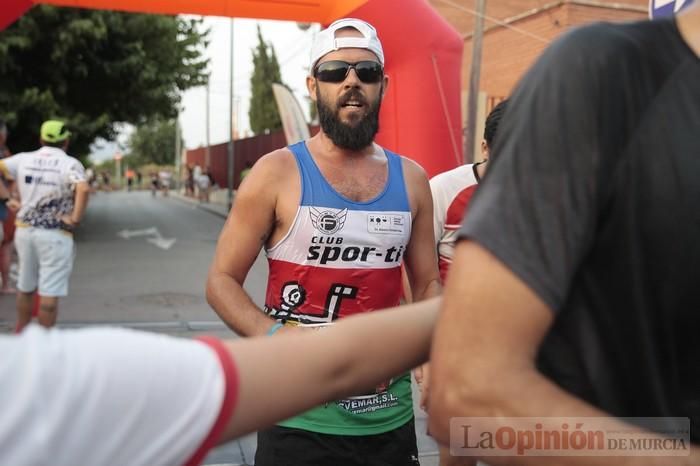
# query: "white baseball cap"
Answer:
x=325 y=41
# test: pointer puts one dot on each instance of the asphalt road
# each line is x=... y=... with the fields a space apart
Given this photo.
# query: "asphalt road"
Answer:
x=142 y=263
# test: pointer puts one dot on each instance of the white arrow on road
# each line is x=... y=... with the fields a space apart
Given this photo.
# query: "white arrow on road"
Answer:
x=128 y=234
x=157 y=239
x=163 y=243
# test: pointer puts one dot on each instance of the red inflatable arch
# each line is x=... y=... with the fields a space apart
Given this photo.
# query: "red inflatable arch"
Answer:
x=421 y=112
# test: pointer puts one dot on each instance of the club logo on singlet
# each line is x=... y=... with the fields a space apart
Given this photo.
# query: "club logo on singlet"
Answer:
x=328 y=221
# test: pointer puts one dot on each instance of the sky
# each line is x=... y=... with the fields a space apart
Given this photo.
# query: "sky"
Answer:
x=292 y=46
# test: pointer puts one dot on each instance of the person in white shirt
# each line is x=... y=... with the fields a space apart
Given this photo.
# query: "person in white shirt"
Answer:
x=54 y=194
x=452 y=190
x=122 y=397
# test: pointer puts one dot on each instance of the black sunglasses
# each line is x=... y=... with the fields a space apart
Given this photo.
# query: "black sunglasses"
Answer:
x=335 y=71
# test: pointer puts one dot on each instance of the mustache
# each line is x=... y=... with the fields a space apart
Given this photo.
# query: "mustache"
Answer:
x=352 y=94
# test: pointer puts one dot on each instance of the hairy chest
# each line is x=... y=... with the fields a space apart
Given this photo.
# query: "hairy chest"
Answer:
x=359 y=185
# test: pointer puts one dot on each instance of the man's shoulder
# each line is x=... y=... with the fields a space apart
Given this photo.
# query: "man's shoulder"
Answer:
x=463 y=175
x=412 y=170
x=20 y=157
x=278 y=161
x=467 y=168
x=23 y=155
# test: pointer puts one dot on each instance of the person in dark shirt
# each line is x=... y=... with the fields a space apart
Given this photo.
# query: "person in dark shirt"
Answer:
x=573 y=288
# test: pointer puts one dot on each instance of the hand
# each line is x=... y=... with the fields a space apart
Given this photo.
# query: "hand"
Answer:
x=68 y=220
x=422 y=375
x=13 y=205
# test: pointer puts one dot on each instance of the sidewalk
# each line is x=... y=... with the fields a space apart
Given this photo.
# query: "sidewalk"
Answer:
x=218 y=204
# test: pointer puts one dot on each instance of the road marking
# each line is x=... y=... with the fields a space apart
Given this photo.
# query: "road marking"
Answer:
x=128 y=234
x=157 y=239
x=163 y=243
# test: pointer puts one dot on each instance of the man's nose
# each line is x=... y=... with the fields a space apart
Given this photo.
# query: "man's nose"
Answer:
x=351 y=79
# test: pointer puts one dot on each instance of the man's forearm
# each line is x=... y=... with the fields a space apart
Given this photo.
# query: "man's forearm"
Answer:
x=234 y=306
x=81 y=200
x=395 y=340
x=4 y=192
x=430 y=290
x=513 y=393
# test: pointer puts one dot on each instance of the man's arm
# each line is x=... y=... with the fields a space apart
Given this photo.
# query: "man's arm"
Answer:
x=82 y=192
x=421 y=254
x=4 y=192
x=250 y=222
x=274 y=388
x=436 y=192
x=483 y=360
x=8 y=169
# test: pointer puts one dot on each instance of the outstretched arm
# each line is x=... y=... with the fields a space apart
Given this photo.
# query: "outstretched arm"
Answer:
x=340 y=360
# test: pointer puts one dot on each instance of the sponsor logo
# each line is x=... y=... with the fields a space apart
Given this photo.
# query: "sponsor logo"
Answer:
x=369 y=404
x=328 y=221
x=293 y=296
x=387 y=224
x=326 y=254
x=29 y=179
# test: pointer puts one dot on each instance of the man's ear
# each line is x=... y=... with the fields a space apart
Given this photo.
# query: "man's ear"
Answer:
x=311 y=87
x=484 y=149
x=385 y=85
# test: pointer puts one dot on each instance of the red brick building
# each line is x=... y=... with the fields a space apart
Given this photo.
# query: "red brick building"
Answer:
x=523 y=31
x=517 y=31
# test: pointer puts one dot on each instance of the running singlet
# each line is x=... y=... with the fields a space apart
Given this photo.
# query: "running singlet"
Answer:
x=45 y=179
x=452 y=191
x=339 y=258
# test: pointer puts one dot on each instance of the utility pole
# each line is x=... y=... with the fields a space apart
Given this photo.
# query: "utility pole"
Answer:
x=118 y=169
x=474 y=76
x=207 y=151
x=230 y=127
x=178 y=151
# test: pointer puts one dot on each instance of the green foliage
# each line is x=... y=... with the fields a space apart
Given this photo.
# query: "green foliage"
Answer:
x=94 y=69
x=263 y=114
x=153 y=142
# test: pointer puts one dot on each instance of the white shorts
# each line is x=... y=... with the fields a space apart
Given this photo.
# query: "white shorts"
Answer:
x=45 y=260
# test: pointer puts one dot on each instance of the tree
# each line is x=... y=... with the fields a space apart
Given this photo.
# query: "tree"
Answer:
x=153 y=142
x=94 y=69
x=263 y=114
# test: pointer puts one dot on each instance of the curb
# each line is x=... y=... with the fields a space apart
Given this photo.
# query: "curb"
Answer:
x=211 y=208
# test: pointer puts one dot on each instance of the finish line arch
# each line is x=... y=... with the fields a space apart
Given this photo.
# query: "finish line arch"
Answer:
x=421 y=116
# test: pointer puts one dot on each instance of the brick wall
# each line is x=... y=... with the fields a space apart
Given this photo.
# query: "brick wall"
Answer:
x=507 y=54
x=246 y=151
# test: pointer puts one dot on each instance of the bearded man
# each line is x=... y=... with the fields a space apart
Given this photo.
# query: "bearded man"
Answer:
x=337 y=215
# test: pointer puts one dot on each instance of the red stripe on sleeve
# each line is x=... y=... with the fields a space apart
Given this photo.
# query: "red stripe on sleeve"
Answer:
x=230 y=398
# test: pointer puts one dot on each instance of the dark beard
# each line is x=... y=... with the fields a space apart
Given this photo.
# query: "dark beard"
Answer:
x=354 y=136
